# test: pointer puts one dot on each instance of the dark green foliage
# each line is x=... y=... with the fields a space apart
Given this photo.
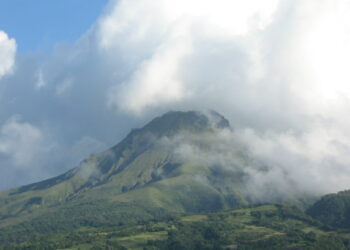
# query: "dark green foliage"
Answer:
x=92 y=215
x=193 y=236
x=256 y=227
x=333 y=209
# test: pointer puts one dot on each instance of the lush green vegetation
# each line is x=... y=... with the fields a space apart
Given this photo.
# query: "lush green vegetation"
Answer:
x=264 y=226
x=333 y=209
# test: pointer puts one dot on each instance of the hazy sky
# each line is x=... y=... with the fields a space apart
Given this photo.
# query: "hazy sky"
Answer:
x=76 y=76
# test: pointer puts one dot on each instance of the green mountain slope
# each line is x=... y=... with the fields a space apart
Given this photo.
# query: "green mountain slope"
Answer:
x=140 y=178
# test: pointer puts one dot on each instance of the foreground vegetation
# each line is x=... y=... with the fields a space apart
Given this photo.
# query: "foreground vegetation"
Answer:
x=264 y=226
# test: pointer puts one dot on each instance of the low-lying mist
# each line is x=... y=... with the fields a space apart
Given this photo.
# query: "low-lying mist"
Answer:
x=268 y=167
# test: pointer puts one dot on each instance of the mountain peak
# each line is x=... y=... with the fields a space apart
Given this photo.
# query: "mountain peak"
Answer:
x=173 y=122
x=135 y=169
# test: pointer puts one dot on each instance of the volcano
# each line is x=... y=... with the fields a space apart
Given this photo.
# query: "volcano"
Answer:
x=160 y=183
x=155 y=169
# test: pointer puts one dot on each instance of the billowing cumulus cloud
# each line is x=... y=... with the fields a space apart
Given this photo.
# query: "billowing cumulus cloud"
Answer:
x=276 y=69
x=23 y=146
x=20 y=141
x=7 y=53
x=31 y=153
x=295 y=53
x=166 y=35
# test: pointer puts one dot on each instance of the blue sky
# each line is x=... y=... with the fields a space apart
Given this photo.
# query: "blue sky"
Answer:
x=40 y=24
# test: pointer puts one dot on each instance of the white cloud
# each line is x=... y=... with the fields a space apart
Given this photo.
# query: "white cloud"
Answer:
x=29 y=153
x=7 y=54
x=227 y=53
x=311 y=162
x=161 y=34
x=21 y=142
x=156 y=80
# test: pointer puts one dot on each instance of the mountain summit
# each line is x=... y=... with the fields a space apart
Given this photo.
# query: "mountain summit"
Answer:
x=193 y=121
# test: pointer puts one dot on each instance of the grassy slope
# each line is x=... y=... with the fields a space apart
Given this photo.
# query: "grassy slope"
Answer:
x=153 y=180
